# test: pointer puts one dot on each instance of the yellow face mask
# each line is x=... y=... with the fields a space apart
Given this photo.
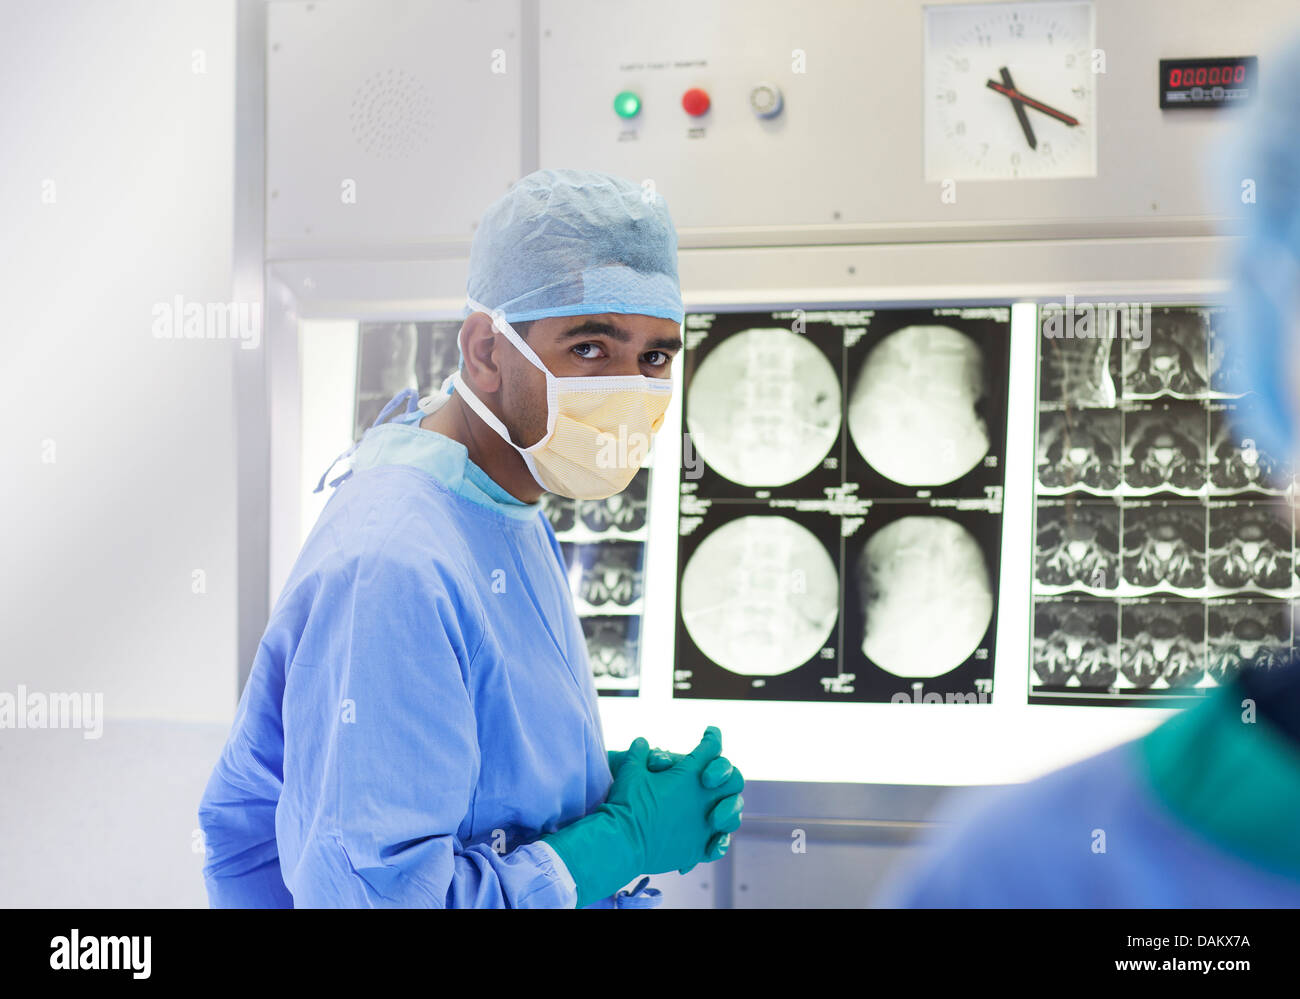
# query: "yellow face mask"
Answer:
x=598 y=429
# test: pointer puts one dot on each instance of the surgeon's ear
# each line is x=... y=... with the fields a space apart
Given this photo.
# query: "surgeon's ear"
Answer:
x=479 y=343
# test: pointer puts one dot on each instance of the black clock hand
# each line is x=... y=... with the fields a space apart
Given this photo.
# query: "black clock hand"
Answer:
x=1016 y=96
x=1020 y=111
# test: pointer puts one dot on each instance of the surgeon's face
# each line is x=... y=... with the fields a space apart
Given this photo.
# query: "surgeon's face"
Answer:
x=575 y=347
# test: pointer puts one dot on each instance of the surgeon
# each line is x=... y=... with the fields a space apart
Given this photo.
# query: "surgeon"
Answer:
x=1205 y=810
x=420 y=726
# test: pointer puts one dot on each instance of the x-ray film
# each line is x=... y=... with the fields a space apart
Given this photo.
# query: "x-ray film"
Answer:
x=1164 y=553
x=603 y=543
x=841 y=504
x=392 y=357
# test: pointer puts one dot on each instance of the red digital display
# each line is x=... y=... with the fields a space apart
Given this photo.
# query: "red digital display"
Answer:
x=1207 y=83
x=1211 y=76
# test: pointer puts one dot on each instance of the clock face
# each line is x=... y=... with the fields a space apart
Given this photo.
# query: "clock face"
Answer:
x=1010 y=91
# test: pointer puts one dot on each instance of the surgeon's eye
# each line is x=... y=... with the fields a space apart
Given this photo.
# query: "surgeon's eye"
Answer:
x=663 y=358
x=581 y=350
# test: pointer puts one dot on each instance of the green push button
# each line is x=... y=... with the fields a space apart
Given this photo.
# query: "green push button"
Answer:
x=627 y=104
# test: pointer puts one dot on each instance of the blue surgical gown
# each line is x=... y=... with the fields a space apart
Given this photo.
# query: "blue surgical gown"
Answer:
x=421 y=708
x=1202 y=812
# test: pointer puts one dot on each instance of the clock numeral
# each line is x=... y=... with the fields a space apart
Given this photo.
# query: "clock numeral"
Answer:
x=960 y=128
x=1069 y=61
x=1017 y=29
x=1080 y=92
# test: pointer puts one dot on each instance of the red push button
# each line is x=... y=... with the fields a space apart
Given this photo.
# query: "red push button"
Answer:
x=695 y=102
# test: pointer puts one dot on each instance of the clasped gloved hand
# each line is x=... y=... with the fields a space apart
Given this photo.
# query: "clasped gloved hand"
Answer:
x=654 y=819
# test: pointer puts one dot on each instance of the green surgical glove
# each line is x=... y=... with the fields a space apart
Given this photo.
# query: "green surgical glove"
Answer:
x=715 y=774
x=652 y=822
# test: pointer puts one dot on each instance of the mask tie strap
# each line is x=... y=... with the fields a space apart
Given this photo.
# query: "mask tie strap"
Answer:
x=321 y=484
x=510 y=333
x=407 y=396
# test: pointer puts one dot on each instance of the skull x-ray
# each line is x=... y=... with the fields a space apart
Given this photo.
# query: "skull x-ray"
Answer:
x=841 y=493
x=1204 y=574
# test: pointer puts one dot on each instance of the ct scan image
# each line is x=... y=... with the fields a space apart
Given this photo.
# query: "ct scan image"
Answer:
x=1077 y=544
x=1164 y=545
x=1173 y=360
x=1165 y=446
x=1244 y=633
x=1146 y=438
x=1162 y=644
x=1076 y=643
x=1250 y=545
x=613 y=647
x=1080 y=449
x=1238 y=463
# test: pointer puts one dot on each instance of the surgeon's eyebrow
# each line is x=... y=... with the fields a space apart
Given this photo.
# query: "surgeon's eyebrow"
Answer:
x=594 y=328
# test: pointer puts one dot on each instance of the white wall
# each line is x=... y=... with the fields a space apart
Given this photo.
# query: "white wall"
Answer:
x=100 y=545
x=116 y=177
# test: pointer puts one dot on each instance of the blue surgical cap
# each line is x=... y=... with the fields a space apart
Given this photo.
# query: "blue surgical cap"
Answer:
x=576 y=243
x=1264 y=165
